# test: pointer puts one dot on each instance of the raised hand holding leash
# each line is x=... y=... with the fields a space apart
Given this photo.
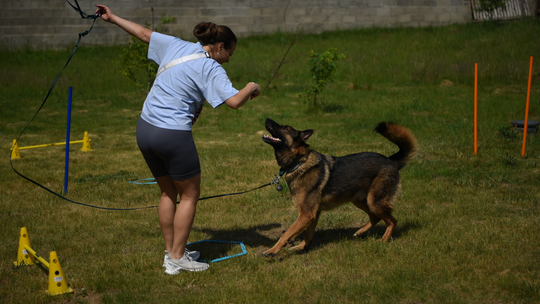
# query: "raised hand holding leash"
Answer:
x=83 y=15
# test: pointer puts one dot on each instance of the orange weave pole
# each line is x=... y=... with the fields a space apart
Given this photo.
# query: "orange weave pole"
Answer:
x=526 y=124
x=475 y=108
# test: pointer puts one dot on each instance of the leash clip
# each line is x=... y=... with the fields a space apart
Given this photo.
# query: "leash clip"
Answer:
x=276 y=181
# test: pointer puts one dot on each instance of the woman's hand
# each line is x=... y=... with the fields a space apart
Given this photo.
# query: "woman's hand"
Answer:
x=104 y=12
x=250 y=91
x=256 y=90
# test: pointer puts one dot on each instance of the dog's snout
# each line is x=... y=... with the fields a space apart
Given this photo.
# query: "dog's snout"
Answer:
x=269 y=121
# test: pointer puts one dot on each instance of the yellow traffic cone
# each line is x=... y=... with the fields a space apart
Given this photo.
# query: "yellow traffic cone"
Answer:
x=57 y=281
x=23 y=257
x=15 y=153
x=86 y=143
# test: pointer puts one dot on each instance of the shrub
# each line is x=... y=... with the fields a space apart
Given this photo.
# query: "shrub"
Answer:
x=321 y=66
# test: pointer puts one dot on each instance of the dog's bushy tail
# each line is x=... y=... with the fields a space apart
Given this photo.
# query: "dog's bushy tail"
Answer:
x=403 y=138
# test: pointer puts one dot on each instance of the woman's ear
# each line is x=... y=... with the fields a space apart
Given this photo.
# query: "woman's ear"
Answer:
x=220 y=47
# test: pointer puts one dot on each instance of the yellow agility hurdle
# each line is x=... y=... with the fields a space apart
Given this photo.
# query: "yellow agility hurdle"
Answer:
x=16 y=154
x=27 y=256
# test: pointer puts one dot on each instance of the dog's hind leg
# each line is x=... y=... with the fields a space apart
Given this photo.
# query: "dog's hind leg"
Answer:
x=380 y=201
x=383 y=211
x=390 y=225
x=373 y=220
x=388 y=219
x=301 y=223
x=310 y=232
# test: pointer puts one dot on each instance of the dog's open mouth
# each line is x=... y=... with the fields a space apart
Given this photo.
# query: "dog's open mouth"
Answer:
x=268 y=138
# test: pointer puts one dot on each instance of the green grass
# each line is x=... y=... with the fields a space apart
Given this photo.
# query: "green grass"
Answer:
x=466 y=223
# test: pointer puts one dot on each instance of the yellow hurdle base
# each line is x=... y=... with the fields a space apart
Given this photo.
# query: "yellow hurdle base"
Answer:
x=57 y=280
x=27 y=256
x=16 y=154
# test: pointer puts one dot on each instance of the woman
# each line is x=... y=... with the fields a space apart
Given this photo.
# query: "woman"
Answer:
x=164 y=128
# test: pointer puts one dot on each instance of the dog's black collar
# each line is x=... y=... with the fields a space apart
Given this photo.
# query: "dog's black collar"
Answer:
x=292 y=167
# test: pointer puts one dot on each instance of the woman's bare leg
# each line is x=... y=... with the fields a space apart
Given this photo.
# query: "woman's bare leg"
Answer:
x=167 y=209
x=176 y=221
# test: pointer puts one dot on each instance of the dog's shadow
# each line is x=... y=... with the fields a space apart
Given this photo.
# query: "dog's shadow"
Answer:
x=324 y=237
x=267 y=235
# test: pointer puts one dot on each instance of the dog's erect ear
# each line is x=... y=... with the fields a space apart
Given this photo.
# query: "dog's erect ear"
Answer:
x=306 y=134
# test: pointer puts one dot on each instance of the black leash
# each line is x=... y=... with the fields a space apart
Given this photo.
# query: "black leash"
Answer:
x=275 y=181
x=83 y=14
x=94 y=17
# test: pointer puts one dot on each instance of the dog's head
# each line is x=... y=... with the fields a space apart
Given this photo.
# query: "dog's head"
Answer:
x=288 y=143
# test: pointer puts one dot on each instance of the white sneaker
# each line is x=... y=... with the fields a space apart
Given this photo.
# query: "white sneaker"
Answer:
x=174 y=267
x=193 y=254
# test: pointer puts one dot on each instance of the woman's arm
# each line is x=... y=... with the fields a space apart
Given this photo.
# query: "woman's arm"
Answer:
x=250 y=91
x=132 y=28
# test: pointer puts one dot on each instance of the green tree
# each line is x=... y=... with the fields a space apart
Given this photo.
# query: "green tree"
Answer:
x=321 y=66
x=134 y=59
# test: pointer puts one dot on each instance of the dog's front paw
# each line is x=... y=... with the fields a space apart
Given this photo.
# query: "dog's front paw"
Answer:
x=359 y=235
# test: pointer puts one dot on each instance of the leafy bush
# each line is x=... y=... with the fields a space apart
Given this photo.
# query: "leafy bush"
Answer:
x=321 y=66
x=134 y=59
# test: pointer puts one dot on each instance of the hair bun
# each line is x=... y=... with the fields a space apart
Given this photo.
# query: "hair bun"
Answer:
x=211 y=33
x=206 y=32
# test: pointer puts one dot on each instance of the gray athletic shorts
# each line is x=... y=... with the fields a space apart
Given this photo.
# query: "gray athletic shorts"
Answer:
x=168 y=152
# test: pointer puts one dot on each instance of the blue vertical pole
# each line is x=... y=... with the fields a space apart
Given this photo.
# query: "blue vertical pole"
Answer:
x=66 y=175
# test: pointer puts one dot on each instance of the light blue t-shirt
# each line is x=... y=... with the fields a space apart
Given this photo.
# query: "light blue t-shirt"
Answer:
x=178 y=94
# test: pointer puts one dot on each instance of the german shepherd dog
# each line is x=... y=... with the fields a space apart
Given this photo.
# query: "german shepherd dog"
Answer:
x=321 y=182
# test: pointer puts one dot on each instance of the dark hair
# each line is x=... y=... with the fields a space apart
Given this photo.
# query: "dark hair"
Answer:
x=210 y=33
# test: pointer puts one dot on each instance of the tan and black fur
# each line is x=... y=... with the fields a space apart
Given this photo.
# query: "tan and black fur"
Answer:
x=321 y=182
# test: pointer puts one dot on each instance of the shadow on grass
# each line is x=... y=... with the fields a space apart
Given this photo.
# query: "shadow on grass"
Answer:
x=254 y=237
x=251 y=236
x=326 y=236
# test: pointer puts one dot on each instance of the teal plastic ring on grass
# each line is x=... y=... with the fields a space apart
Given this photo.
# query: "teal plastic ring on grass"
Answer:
x=244 y=251
x=144 y=181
